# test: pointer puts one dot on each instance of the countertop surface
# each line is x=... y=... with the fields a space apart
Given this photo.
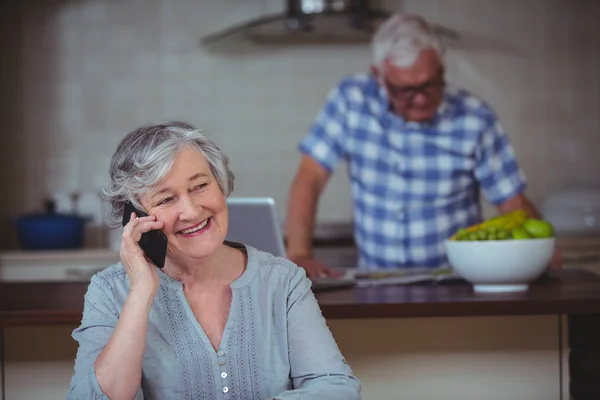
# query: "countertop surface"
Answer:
x=565 y=292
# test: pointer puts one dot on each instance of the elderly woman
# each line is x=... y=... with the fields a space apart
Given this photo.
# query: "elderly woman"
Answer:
x=221 y=320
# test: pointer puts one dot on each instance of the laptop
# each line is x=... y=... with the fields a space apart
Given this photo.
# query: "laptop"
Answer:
x=253 y=221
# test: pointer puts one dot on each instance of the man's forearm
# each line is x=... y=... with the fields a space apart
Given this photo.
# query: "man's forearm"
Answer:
x=300 y=222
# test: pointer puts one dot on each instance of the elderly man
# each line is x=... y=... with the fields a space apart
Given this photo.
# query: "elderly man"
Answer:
x=418 y=154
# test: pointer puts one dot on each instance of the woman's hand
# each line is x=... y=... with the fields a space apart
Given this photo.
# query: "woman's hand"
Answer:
x=143 y=275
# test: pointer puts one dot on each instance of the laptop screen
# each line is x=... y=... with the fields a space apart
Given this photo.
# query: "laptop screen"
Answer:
x=253 y=221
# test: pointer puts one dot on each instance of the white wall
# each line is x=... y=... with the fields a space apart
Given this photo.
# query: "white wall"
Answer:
x=87 y=71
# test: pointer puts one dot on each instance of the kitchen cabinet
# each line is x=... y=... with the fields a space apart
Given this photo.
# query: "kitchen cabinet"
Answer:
x=466 y=358
x=487 y=358
x=421 y=341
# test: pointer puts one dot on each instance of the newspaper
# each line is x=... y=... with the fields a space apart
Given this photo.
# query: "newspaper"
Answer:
x=406 y=277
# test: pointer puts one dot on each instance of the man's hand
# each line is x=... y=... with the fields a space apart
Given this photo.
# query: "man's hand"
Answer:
x=522 y=202
x=556 y=261
x=519 y=202
x=315 y=268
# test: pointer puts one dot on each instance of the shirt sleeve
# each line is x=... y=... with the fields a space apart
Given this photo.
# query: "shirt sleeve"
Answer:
x=496 y=167
x=317 y=368
x=100 y=316
x=326 y=137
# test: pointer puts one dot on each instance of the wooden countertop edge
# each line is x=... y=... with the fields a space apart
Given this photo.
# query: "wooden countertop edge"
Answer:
x=37 y=318
x=453 y=310
x=356 y=311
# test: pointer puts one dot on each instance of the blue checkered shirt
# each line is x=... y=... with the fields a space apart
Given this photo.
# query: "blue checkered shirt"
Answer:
x=413 y=184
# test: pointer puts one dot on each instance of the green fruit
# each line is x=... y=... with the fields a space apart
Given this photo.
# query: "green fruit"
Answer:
x=462 y=234
x=473 y=236
x=502 y=234
x=462 y=237
x=538 y=228
x=520 y=233
x=481 y=234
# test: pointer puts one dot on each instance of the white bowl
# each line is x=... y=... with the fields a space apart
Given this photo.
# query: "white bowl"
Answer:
x=500 y=265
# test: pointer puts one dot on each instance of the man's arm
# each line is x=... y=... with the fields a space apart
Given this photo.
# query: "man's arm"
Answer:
x=322 y=148
x=519 y=202
x=500 y=177
x=307 y=186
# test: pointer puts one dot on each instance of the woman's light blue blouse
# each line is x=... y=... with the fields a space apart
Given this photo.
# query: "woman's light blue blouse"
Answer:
x=276 y=344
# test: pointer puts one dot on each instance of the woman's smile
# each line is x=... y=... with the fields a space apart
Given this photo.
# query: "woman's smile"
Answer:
x=196 y=230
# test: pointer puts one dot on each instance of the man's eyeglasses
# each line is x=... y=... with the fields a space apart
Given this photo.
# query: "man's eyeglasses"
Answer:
x=407 y=93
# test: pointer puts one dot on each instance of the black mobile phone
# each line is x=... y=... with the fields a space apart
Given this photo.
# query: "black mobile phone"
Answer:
x=153 y=243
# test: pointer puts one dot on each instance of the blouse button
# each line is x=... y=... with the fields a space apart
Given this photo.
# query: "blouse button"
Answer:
x=223 y=375
x=221 y=363
x=225 y=389
x=220 y=353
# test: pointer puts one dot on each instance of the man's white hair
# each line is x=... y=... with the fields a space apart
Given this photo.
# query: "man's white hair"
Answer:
x=401 y=38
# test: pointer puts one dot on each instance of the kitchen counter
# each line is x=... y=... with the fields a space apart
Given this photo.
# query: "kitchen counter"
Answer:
x=566 y=292
x=572 y=293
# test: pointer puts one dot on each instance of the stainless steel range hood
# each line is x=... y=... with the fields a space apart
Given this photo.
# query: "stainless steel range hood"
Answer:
x=314 y=22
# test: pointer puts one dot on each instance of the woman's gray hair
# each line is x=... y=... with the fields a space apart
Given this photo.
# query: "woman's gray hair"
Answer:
x=401 y=38
x=145 y=156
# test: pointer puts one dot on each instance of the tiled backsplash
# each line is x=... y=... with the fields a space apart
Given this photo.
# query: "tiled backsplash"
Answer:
x=85 y=72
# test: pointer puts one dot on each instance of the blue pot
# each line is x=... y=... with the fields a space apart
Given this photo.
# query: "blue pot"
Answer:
x=50 y=231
